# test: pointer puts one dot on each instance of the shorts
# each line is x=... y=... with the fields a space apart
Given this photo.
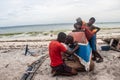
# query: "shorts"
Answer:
x=63 y=68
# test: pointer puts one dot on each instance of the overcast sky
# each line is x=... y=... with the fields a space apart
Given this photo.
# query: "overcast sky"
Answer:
x=20 y=12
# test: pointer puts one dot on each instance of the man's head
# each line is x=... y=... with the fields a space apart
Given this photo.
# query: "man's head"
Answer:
x=61 y=37
x=78 y=25
x=91 y=20
x=69 y=40
x=79 y=20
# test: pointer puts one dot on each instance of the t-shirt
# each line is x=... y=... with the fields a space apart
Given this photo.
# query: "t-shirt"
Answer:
x=88 y=32
x=55 y=49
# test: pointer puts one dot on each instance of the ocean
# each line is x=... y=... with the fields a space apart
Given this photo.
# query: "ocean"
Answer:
x=51 y=27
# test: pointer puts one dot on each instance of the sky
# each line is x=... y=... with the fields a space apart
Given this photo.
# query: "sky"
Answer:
x=27 y=12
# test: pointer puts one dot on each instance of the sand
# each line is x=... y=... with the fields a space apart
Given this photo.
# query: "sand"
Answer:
x=13 y=62
x=107 y=70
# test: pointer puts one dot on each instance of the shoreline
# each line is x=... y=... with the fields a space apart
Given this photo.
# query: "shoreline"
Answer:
x=49 y=31
x=49 y=35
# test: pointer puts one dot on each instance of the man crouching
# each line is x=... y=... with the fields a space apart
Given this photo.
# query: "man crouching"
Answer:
x=57 y=64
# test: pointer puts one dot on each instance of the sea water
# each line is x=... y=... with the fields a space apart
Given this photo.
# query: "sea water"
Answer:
x=51 y=27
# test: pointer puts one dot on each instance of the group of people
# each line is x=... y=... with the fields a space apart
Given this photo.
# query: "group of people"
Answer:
x=91 y=36
x=57 y=47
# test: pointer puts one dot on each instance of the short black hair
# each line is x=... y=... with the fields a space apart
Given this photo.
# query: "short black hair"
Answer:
x=69 y=39
x=92 y=18
x=61 y=37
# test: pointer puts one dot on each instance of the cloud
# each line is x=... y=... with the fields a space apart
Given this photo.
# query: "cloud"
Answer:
x=17 y=12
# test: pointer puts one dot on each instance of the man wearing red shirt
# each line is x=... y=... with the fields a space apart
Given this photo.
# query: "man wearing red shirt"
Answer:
x=55 y=50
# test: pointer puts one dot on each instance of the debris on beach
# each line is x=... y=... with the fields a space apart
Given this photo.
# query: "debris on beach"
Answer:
x=114 y=44
x=28 y=52
x=31 y=71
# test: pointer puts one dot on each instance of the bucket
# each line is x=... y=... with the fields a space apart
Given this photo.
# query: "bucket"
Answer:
x=105 y=48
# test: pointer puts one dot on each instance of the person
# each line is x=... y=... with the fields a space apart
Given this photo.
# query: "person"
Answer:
x=80 y=35
x=73 y=60
x=57 y=64
x=96 y=56
x=79 y=23
x=70 y=44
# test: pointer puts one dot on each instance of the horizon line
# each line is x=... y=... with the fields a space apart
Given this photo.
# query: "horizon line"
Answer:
x=51 y=24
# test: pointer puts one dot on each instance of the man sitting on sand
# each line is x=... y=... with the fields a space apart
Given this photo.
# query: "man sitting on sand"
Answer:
x=57 y=64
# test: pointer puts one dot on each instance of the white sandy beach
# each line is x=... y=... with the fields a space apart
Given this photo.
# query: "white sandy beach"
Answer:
x=13 y=62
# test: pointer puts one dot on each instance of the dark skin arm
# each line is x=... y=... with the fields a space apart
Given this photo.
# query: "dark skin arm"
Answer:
x=98 y=29
x=71 y=52
x=94 y=27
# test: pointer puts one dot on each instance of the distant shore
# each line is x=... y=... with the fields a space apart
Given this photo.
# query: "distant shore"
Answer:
x=51 y=27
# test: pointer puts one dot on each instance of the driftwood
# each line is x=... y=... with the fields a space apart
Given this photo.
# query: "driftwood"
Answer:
x=30 y=72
